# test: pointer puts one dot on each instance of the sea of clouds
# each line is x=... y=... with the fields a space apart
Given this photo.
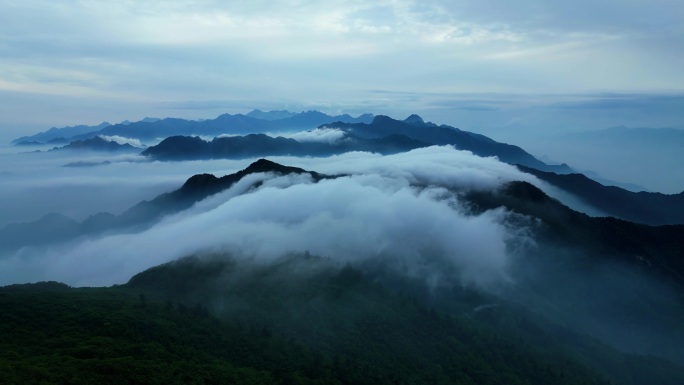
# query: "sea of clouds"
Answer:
x=402 y=209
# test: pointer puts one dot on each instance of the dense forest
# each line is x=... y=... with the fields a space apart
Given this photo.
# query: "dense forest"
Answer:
x=301 y=320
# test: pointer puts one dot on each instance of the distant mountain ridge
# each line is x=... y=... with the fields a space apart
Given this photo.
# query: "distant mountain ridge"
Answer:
x=382 y=135
x=58 y=228
x=59 y=133
x=97 y=144
x=238 y=124
x=256 y=145
x=379 y=134
x=224 y=124
x=416 y=128
x=363 y=129
x=642 y=207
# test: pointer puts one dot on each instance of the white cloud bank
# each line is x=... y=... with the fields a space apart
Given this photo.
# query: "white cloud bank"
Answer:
x=323 y=135
x=123 y=140
x=374 y=214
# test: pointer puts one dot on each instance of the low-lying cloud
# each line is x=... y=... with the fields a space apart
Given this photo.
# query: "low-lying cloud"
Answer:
x=34 y=184
x=123 y=140
x=401 y=210
x=323 y=135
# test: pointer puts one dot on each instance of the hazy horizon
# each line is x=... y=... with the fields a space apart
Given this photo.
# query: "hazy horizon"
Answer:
x=652 y=159
x=499 y=68
x=520 y=72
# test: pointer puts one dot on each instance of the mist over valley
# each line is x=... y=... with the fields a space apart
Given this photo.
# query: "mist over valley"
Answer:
x=388 y=192
x=440 y=218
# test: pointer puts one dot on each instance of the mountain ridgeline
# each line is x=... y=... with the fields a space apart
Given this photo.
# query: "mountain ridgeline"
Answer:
x=642 y=207
x=255 y=135
x=364 y=133
x=56 y=228
x=382 y=135
x=385 y=135
x=591 y=301
x=256 y=145
x=238 y=124
x=415 y=128
x=97 y=144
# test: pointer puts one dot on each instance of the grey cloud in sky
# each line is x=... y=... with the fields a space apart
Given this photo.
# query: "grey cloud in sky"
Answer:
x=128 y=59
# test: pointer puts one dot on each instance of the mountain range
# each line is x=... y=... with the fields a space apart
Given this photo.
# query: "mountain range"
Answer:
x=97 y=144
x=56 y=228
x=643 y=207
x=55 y=134
x=398 y=252
x=364 y=133
x=383 y=135
x=415 y=128
x=256 y=145
x=367 y=126
x=201 y=186
x=596 y=300
x=386 y=136
x=153 y=129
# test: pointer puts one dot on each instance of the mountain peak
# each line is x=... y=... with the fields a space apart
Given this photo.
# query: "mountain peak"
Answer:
x=96 y=143
x=414 y=119
x=265 y=165
x=382 y=119
x=199 y=181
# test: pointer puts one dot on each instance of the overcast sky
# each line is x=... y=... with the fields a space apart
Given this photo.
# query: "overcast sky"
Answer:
x=70 y=62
